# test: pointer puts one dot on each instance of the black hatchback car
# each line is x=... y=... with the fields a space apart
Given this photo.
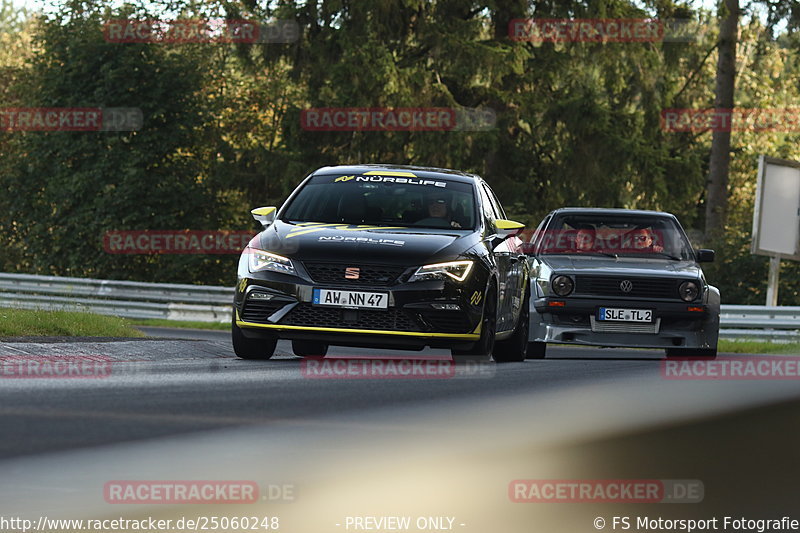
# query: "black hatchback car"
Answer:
x=384 y=257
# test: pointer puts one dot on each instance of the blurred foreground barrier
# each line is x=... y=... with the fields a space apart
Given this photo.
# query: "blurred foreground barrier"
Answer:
x=129 y=299
x=132 y=299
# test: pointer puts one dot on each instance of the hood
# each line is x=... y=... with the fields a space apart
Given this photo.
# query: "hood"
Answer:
x=312 y=241
x=624 y=266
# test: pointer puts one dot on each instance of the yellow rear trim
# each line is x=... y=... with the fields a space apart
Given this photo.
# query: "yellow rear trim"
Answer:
x=465 y=336
x=390 y=173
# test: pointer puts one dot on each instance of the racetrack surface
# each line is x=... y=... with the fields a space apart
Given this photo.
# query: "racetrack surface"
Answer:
x=189 y=409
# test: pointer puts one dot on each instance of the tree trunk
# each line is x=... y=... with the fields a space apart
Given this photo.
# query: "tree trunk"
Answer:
x=717 y=186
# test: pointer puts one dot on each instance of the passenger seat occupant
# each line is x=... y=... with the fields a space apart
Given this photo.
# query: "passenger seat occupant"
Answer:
x=584 y=240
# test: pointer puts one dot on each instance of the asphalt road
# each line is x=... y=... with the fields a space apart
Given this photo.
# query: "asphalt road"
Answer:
x=186 y=408
x=195 y=383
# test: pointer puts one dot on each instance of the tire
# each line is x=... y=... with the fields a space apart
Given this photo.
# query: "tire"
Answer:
x=485 y=344
x=309 y=348
x=515 y=348
x=537 y=350
x=692 y=353
x=245 y=348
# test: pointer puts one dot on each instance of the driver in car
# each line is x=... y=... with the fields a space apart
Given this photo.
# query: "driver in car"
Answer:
x=645 y=240
x=438 y=214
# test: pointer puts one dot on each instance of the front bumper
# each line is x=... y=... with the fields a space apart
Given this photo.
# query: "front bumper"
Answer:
x=282 y=305
x=674 y=325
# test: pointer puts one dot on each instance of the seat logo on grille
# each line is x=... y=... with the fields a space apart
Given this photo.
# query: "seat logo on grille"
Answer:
x=626 y=285
x=352 y=273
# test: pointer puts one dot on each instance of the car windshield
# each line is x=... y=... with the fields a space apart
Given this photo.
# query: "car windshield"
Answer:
x=378 y=199
x=615 y=235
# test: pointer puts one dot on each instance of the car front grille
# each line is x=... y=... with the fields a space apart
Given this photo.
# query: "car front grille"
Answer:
x=602 y=326
x=447 y=321
x=368 y=275
x=392 y=319
x=642 y=287
x=260 y=310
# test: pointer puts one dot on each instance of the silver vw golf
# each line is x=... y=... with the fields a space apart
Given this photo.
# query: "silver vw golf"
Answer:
x=620 y=278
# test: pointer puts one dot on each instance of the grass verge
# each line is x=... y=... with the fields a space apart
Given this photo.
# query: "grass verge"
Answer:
x=726 y=346
x=25 y=323
x=188 y=324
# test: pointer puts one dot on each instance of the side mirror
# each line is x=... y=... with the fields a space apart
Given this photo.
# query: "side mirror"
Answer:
x=503 y=229
x=265 y=215
x=705 y=256
x=507 y=228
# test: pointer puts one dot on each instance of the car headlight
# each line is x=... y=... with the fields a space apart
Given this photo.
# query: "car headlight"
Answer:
x=562 y=285
x=260 y=260
x=455 y=270
x=688 y=291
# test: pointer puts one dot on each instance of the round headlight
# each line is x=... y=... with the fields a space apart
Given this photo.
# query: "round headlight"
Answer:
x=562 y=285
x=688 y=291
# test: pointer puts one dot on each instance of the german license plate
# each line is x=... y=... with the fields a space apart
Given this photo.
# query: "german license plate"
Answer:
x=351 y=299
x=624 y=315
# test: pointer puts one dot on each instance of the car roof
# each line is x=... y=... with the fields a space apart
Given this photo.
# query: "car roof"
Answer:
x=422 y=172
x=609 y=211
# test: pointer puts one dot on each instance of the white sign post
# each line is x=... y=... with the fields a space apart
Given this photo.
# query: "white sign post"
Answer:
x=776 y=217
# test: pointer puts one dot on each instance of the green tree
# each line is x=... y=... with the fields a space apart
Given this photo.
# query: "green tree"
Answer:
x=66 y=189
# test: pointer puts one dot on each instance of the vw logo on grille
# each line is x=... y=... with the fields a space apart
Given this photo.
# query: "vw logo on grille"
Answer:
x=352 y=272
x=626 y=286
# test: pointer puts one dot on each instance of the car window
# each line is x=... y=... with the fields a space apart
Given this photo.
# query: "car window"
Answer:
x=489 y=210
x=384 y=200
x=535 y=238
x=498 y=208
x=615 y=234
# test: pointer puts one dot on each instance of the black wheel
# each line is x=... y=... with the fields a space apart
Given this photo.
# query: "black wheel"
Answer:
x=693 y=353
x=485 y=344
x=515 y=348
x=537 y=350
x=309 y=348
x=246 y=348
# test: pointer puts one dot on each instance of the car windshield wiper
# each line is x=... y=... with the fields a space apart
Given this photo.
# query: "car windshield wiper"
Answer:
x=673 y=257
x=607 y=254
x=587 y=252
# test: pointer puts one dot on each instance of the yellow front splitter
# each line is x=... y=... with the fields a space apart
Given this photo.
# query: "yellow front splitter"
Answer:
x=464 y=336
